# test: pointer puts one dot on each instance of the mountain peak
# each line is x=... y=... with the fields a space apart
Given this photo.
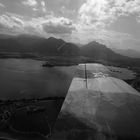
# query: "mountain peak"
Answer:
x=51 y=38
x=96 y=44
x=99 y=52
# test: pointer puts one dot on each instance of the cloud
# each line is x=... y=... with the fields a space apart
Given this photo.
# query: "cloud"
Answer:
x=39 y=7
x=43 y=5
x=11 y=24
x=50 y=25
x=10 y=21
x=30 y=2
x=59 y=26
x=100 y=13
x=94 y=18
x=41 y=25
x=85 y=34
x=95 y=13
x=57 y=29
x=66 y=11
x=18 y=24
x=2 y=5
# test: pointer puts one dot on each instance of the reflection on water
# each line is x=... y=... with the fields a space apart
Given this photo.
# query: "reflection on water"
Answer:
x=24 y=78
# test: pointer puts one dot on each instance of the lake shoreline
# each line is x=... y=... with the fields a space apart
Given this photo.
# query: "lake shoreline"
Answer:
x=65 y=60
x=62 y=61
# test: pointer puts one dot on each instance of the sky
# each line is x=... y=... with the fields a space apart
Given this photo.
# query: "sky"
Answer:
x=115 y=23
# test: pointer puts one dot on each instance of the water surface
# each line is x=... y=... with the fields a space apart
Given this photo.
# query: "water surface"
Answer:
x=25 y=78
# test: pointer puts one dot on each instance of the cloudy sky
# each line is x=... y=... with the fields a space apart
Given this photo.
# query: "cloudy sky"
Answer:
x=112 y=22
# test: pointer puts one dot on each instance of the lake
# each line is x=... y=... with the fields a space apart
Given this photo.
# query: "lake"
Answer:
x=26 y=78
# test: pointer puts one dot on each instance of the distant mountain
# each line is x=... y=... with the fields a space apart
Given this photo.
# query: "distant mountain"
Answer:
x=34 y=44
x=99 y=51
x=57 y=47
x=129 y=52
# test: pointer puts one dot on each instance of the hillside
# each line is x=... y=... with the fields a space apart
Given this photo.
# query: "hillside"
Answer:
x=34 y=44
x=29 y=46
x=99 y=51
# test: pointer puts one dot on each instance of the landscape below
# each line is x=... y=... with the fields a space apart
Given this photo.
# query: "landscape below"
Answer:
x=54 y=52
x=57 y=52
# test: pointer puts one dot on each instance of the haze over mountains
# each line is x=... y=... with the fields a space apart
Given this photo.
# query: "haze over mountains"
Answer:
x=34 y=44
x=58 y=47
x=128 y=52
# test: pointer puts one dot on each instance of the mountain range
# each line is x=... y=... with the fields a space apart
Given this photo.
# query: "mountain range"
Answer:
x=34 y=44
x=127 y=52
x=101 y=52
x=58 y=47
